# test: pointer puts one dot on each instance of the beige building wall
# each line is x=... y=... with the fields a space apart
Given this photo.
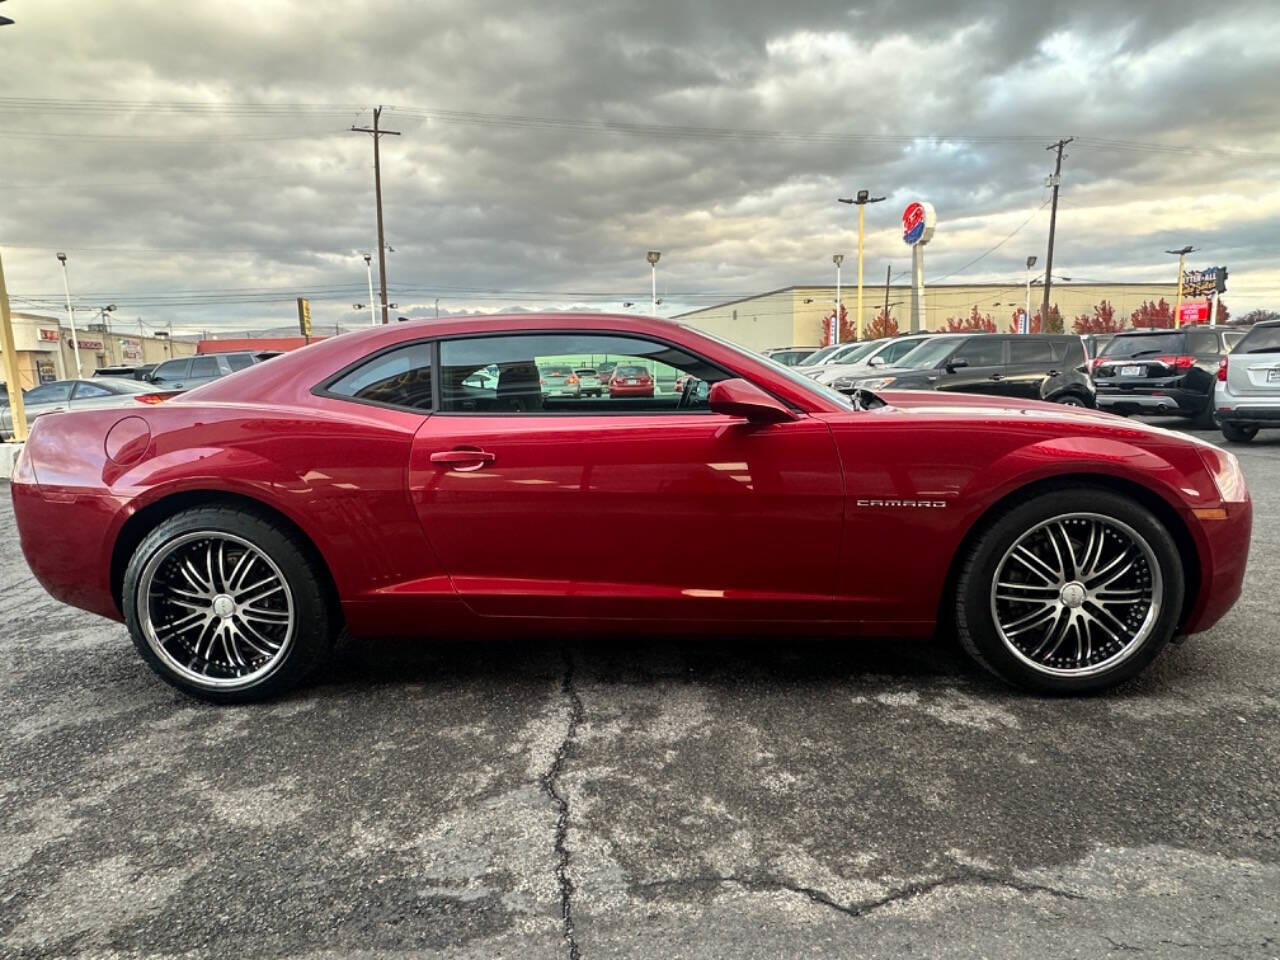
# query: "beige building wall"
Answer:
x=794 y=316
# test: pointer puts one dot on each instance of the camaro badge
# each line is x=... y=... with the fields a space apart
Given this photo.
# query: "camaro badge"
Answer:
x=926 y=504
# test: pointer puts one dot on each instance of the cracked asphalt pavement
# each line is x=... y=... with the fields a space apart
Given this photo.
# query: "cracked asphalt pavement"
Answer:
x=642 y=798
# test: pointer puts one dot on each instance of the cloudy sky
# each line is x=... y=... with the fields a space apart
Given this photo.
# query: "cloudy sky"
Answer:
x=194 y=159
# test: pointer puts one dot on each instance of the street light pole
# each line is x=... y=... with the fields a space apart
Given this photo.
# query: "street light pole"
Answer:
x=862 y=199
x=1026 y=310
x=653 y=256
x=837 y=259
x=71 y=314
x=1182 y=262
x=368 y=268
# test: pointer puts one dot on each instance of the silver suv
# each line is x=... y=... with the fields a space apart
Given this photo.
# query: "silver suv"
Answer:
x=1247 y=394
x=187 y=373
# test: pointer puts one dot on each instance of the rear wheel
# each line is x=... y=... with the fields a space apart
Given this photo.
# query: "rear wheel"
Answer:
x=226 y=605
x=1071 y=400
x=1073 y=591
x=1238 y=434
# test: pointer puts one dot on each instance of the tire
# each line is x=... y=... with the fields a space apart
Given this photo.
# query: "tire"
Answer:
x=1117 y=638
x=250 y=588
x=1070 y=400
x=1206 y=419
x=1238 y=434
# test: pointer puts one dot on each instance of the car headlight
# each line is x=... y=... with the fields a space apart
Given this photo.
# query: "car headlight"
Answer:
x=862 y=383
x=1227 y=475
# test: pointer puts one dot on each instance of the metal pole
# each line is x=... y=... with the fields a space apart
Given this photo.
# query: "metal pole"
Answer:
x=653 y=294
x=888 y=270
x=1053 y=222
x=17 y=411
x=71 y=314
x=373 y=310
x=862 y=210
x=1027 y=308
x=1213 y=309
x=835 y=335
x=437 y=308
x=1177 y=310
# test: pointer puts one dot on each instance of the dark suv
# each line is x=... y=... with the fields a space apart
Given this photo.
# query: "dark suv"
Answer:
x=1025 y=366
x=187 y=373
x=1163 y=371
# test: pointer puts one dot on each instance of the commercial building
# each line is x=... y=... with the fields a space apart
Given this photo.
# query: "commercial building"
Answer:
x=793 y=316
x=45 y=353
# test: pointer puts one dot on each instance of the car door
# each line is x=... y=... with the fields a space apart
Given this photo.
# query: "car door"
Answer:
x=1207 y=349
x=1031 y=361
x=172 y=374
x=976 y=366
x=636 y=507
x=203 y=370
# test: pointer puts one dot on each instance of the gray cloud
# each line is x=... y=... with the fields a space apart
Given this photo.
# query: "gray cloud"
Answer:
x=482 y=207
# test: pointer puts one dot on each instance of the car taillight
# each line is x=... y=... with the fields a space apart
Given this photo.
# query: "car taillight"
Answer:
x=152 y=397
x=572 y=378
x=1222 y=369
x=1094 y=364
x=1178 y=363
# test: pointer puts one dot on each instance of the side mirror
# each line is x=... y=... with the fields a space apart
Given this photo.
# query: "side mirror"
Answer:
x=742 y=398
x=876 y=362
x=956 y=364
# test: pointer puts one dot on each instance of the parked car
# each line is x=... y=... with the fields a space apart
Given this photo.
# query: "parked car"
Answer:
x=1095 y=343
x=836 y=353
x=125 y=371
x=878 y=353
x=1025 y=366
x=60 y=395
x=559 y=380
x=187 y=373
x=1163 y=371
x=1247 y=391
x=789 y=356
x=589 y=383
x=1064 y=547
x=631 y=380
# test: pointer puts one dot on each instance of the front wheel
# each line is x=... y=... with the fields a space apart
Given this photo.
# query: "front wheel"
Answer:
x=1238 y=434
x=226 y=605
x=1073 y=591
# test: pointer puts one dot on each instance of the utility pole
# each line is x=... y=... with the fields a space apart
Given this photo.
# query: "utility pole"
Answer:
x=377 y=192
x=888 y=270
x=71 y=314
x=18 y=413
x=1054 y=181
x=862 y=198
x=837 y=259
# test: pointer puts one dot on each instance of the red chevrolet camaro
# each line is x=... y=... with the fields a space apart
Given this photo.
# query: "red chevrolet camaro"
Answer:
x=375 y=482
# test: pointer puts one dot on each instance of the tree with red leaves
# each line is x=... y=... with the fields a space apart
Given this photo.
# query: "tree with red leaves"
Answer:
x=847 y=333
x=1103 y=320
x=882 y=326
x=1152 y=315
x=975 y=322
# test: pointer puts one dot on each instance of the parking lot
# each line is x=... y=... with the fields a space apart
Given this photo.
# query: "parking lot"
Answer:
x=654 y=798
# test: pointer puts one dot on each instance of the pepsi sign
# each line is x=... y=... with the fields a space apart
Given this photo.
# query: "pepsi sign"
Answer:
x=918 y=221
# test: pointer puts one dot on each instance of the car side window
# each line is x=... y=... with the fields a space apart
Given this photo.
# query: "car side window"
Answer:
x=87 y=391
x=202 y=367
x=981 y=351
x=1030 y=351
x=538 y=373
x=239 y=361
x=1201 y=343
x=170 y=370
x=896 y=351
x=1231 y=339
x=48 y=393
x=397 y=378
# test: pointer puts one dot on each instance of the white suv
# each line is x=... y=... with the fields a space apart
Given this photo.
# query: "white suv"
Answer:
x=1247 y=394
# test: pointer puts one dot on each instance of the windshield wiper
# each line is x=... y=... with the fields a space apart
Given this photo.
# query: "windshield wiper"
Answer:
x=1140 y=353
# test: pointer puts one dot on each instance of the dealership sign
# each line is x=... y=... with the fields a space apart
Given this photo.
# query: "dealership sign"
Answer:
x=918 y=221
x=49 y=335
x=1201 y=283
x=1197 y=311
x=89 y=344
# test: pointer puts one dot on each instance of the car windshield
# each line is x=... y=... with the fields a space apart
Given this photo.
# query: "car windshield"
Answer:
x=1145 y=345
x=630 y=370
x=788 y=373
x=585 y=373
x=122 y=386
x=820 y=356
x=1260 y=340
x=858 y=352
x=929 y=354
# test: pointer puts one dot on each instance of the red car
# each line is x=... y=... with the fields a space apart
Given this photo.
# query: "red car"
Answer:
x=372 y=482
x=631 y=380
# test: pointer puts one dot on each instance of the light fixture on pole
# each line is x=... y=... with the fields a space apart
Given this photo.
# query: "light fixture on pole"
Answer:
x=653 y=256
x=1182 y=262
x=368 y=267
x=837 y=259
x=861 y=200
x=1025 y=326
x=71 y=314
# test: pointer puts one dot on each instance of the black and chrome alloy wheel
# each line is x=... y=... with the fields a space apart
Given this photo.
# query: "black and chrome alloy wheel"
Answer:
x=1076 y=594
x=216 y=609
